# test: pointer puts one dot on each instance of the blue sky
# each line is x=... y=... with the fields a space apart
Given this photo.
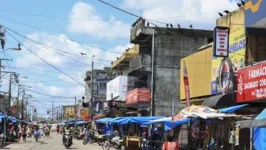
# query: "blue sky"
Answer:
x=75 y=26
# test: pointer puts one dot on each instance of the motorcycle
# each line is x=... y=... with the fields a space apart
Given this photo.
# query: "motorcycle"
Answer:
x=114 y=142
x=67 y=141
x=2 y=140
x=94 y=139
x=37 y=135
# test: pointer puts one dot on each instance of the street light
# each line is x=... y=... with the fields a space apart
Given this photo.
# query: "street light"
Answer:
x=16 y=48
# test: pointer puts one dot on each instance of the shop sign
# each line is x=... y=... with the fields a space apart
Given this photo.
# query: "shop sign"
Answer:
x=142 y=95
x=117 y=88
x=255 y=11
x=221 y=42
x=226 y=77
x=251 y=83
x=117 y=104
x=237 y=51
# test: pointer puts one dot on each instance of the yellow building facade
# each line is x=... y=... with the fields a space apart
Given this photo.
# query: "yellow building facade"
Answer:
x=203 y=68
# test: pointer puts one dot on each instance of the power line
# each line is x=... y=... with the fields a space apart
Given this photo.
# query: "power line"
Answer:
x=44 y=60
x=47 y=94
x=119 y=8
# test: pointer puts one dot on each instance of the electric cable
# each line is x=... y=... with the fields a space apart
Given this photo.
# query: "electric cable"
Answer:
x=47 y=94
x=45 y=60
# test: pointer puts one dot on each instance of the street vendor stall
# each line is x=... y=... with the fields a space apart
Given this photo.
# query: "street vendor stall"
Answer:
x=130 y=129
x=257 y=127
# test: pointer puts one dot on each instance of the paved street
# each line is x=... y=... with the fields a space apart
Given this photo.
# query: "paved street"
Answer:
x=50 y=144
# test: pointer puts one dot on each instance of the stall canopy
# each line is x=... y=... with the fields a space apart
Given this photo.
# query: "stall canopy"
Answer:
x=260 y=133
x=187 y=115
x=138 y=120
x=14 y=120
x=103 y=120
x=80 y=122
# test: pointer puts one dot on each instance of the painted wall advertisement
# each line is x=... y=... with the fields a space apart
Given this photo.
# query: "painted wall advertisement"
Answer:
x=255 y=10
x=237 y=48
x=251 y=83
x=70 y=111
x=117 y=88
x=142 y=95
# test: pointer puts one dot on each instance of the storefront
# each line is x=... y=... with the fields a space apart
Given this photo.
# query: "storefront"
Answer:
x=139 y=98
x=251 y=86
x=117 y=109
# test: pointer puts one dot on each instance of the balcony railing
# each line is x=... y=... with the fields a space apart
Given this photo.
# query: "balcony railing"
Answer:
x=141 y=62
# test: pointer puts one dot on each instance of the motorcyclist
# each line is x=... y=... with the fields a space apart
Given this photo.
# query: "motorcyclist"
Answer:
x=67 y=130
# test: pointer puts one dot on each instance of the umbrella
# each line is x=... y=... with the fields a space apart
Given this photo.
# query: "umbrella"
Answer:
x=193 y=111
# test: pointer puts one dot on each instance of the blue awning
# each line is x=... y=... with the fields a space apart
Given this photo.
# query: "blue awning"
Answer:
x=80 y=122
x=138 y=120
x=14 y=120
x=232 y=109
x=103 y=120
x=260 y=133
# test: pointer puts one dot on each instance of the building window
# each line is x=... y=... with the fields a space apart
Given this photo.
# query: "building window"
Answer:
x=102 y=85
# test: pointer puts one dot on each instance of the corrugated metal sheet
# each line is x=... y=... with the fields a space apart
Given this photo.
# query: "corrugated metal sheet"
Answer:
x=199 y=68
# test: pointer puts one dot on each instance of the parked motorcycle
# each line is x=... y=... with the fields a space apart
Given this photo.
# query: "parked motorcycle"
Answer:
x=67 y=141
x=94 y=139
x=114 y=142
x=2 y=140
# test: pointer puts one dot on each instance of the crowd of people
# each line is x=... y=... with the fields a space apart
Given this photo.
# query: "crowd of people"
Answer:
x=24 y=131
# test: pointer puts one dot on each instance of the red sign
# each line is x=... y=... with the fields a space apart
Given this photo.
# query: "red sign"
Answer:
x=138 y=95
x=251 y=83
x=186 y=84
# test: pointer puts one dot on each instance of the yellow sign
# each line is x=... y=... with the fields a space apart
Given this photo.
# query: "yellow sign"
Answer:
x=70 y=110
x=253 y=7
x=237 y=50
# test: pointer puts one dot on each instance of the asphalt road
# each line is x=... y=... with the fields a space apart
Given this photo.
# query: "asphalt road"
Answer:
x=50 y=144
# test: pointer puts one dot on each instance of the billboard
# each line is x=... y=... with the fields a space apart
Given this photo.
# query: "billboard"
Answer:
x=117 y=88
x=221 y=38
x=251 y=83
x=255 y=10
x=142 y=95
x=69 y=111
x=198 y=66
x=237 y=50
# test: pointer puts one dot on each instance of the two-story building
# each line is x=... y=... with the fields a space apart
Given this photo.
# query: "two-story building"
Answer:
x=100 y=79
x=154 y=64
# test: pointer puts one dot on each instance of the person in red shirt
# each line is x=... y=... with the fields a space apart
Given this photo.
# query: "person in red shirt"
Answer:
x=170 y=144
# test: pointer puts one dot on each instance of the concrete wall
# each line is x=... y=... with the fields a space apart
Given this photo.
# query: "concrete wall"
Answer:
x=170 y=48
x=235 y=20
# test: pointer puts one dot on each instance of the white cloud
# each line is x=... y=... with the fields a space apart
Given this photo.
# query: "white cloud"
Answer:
x=95 y=25
x=201 y=13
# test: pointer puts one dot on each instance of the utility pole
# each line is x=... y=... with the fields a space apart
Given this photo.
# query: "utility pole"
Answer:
x=153 y=73
x=9 y=95
x=75 y=109
x=22 y=105
x=2 y=59
x=92 y=78
x=52 y=111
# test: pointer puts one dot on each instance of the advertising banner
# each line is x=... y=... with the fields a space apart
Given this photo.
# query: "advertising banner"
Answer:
x=255 y=10
x=237 y=50
x=70 y=111
x=186 y=85
x=117 y=88
x=142 y=95
x=251 y=83
x=84 y=113
x=221 y=41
